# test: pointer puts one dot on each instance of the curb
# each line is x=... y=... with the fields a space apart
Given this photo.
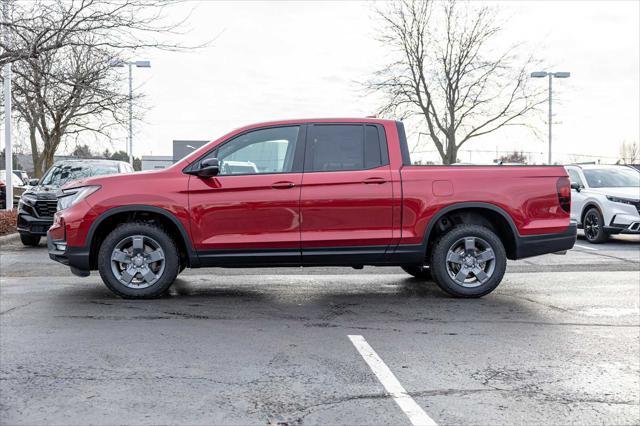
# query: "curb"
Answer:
x=9 y=238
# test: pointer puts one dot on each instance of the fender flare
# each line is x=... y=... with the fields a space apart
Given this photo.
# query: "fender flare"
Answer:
x=191 y=253
x=466 y=205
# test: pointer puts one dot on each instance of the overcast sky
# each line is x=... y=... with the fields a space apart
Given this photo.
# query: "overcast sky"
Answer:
x=295 y=60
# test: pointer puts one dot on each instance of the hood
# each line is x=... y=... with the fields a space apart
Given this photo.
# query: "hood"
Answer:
x=107 y=179
x=632 y=193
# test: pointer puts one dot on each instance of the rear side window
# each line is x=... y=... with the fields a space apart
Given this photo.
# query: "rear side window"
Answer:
x=340 y=147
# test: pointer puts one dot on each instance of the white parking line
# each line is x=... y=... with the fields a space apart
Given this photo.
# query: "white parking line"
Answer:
x=416 y=415
x=585 y=247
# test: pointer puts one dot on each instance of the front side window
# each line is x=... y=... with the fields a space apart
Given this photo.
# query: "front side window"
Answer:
x=260 y=151
x=340 y=147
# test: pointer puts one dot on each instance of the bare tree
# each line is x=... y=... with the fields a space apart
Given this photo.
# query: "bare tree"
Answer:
x=629 y=153
x=449 y=72
x=64 y=92
x=41 y=26
x=62 y=52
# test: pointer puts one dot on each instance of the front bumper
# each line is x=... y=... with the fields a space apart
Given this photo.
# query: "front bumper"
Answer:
x=77 y=258
x=27 y=224
x=535 y=245
x=614 y=228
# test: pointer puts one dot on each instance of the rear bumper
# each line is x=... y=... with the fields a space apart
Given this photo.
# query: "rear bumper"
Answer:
x=536 y=245
x=77 y=258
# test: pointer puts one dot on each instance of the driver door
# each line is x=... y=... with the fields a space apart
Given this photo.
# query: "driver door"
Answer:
x=250 y=211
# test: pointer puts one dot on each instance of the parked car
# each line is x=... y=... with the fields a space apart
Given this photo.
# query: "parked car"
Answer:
x=339 y=192
x=38 y=204
x=605 y=200
x=18 y=188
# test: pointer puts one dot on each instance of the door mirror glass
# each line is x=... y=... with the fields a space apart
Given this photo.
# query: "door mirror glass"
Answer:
x=576 y=186
x=209 y=167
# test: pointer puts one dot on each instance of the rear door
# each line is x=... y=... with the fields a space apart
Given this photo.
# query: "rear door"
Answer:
x=346 y=202
x=250 y=212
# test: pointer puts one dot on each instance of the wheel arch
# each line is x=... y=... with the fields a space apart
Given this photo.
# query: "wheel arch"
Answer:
x=112 y=217
x=588 y=205
x=485 y=214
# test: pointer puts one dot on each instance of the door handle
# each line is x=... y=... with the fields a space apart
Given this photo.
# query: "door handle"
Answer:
x=374 y=180
x=283 y=185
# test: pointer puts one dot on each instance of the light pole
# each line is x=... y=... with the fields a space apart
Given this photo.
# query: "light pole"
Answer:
x=8 y=151
x=551 y=75
x=131 y=64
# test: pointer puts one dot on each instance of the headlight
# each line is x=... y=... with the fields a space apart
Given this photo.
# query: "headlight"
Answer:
x=73 y=196
x=621 y=200
x=28 y=199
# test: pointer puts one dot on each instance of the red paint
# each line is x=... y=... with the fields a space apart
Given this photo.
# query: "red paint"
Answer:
x=379 y=207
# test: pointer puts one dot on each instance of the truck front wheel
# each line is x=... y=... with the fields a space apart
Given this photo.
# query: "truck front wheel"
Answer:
x=138 y=261
x=468 y=261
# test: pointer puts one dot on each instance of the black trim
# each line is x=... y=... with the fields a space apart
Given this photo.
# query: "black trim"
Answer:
x=467 y=205
x=241 y=258
x=317 y=256
x=404 y=146
x=193 y=256
x=534 y=245
x=77 y=258
x=382 y=140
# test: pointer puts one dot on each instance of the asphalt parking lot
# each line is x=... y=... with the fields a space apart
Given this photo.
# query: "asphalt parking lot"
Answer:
x=558 y=342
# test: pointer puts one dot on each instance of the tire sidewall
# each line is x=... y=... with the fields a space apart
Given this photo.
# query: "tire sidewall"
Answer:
x=602 y=235
x=439 y=256
x=171 y=267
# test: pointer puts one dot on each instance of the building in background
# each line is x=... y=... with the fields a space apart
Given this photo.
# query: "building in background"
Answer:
x=155 y=162
x=181 y=148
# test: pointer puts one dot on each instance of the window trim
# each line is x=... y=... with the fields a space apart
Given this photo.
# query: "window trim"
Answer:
x=298 y=155
x=382 y=140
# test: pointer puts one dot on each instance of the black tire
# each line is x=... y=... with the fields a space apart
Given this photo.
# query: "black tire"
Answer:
x=418 y=271
x=492 y=270
x=30 y=240
x=165 y=276
x=593 y=225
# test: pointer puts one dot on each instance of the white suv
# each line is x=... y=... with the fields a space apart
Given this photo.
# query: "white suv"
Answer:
x=605 y=200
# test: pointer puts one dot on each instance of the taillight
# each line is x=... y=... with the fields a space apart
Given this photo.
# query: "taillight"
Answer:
x=563 y=186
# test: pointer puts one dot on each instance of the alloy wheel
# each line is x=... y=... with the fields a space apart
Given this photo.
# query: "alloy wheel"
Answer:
x=137 y=261
x=470 y=261
x=591 y=226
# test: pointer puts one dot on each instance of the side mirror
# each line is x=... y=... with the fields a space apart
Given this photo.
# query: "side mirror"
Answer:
x=208 y=168
x=33 y=182
x=576 y=186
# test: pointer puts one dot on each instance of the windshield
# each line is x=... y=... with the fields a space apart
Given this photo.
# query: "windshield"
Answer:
x=60 y=175
x=612 y=178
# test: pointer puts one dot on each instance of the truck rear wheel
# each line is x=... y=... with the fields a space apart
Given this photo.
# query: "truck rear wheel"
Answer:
x=419 y=271
x=138 y=261
x=468 y=261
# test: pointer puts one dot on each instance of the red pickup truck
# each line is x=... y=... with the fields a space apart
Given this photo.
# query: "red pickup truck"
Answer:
x=331 y=192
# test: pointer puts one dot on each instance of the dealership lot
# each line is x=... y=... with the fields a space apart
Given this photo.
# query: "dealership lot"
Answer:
x=557 y=342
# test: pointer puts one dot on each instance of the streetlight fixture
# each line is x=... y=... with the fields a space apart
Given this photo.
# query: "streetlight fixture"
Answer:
x=551 y=75
x=131 y=64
